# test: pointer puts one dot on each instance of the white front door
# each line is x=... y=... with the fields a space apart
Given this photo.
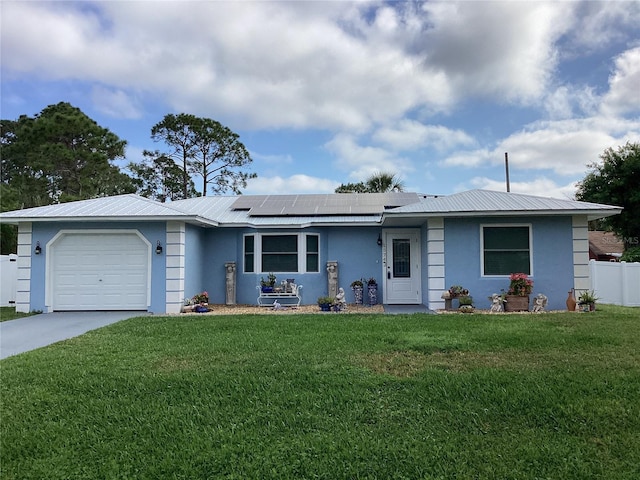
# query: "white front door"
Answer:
x=402 y=267
x=99 y=271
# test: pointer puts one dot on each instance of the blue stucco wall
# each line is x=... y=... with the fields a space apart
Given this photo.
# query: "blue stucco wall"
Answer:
x=552 y=249
x=152 y=231
x=355 y=249
x=194 y=267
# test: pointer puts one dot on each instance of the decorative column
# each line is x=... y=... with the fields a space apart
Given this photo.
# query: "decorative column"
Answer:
x=230 y=268
x=332 y=278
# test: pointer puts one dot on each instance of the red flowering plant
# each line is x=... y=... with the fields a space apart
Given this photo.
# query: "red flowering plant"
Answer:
x=200 y=298
x=521 y=285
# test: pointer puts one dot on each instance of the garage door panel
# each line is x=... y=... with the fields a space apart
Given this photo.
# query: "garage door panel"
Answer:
x=100 y=272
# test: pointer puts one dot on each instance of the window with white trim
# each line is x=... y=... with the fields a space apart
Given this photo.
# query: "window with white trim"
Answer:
x=506 y=249
x=281 y=253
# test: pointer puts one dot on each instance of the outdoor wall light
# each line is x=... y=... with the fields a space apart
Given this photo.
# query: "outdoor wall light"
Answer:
x=158 y=248
x=379 y=242
x=38 y=249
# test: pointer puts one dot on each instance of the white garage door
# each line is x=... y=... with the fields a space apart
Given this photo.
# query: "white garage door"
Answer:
x=106 y=271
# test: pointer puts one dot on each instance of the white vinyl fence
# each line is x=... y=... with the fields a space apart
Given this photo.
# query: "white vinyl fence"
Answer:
x=616 y=283
x=8 y=279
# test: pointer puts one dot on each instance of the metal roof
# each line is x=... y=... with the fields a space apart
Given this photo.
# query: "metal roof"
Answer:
x=119 y=207
x=473 y=202
x=305 y=210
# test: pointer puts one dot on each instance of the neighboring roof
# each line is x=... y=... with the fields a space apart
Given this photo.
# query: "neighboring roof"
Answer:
x=303 y=210
x=473 y=202
x=605 y=243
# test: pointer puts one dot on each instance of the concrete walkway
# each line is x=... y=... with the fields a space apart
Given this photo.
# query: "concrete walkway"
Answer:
x=28 y=333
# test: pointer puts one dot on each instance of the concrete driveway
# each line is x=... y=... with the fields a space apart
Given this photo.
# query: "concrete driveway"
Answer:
x=28 y=333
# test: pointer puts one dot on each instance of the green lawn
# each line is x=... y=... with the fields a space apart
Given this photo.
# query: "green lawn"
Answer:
x=330 y=396
x=9 y=313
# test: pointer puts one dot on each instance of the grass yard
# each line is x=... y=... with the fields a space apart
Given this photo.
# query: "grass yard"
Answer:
x=9 y=313
x=330 y=396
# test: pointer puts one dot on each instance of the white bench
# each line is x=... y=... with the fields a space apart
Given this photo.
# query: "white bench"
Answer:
x=267 y=299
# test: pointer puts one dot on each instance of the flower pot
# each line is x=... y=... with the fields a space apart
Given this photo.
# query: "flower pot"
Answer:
x=267 y=289
x=357 y=294
x=516 y=303
x=587 y=307
x=372 y=290
x=325 y=307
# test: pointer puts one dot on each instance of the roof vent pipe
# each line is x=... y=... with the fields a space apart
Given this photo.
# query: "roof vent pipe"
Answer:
x=506 y=167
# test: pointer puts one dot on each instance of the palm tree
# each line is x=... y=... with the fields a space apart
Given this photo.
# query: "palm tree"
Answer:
x=381 y=182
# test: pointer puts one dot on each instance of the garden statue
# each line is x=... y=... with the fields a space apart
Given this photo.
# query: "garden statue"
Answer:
x=539 y=302
x=496 y=303
x=341 y=303
x=332 y=278
x=230 y=281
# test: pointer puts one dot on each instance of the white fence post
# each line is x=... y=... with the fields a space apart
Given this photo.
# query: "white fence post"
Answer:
x=616 y=283
x=8 y=279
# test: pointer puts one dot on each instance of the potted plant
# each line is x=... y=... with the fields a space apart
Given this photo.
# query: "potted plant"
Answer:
x=358 y=287
x=517 y=298
x=372 y=291
x=201 y=302
x=267 y=285
x=466 y=304
x=457 y=290
x=325 y=303
x=587 y=301
x=200 y=298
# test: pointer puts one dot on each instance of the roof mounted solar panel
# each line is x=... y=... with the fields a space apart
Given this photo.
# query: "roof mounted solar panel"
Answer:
x=322 y=204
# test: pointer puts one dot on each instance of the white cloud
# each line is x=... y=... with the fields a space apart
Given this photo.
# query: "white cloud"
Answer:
x=597 y=24
x=115 y=103
x=540 y=186
x=363 y=161
x=624 y=84
x=289 y=64
x=411 y=135
x=283 y=159
x=504 y=50
x=565 y=147
x=362 y=72
x=568 y=102
x=287 y=185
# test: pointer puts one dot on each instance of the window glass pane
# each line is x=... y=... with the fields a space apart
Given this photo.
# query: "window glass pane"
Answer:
x=280 y=253
x=279 y=243
x=312 y=243
x=248 y=253
x=505 y=263
x=313 y=258
x=506 y=238
x=401 y=258
x=312 y=262
x=506 y=250
x=279 y=262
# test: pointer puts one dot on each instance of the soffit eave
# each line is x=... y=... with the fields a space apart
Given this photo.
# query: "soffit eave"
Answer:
x=95 y=219
x=592 y=214
x=298 y=225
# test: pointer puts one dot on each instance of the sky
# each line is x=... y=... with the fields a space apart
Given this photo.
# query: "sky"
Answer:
x=330 y=92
